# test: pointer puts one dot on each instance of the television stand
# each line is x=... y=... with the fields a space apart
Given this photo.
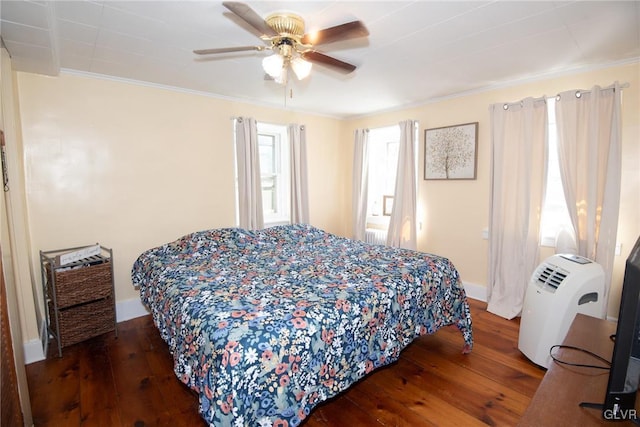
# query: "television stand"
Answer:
x=564 y=390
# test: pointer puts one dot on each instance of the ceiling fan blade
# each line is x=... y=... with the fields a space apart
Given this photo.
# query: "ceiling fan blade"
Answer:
x=227 y=50
x=250 y=17
x=321 y=58
x=350 y=30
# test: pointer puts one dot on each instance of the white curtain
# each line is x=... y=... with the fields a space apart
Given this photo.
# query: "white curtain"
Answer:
x=518 y=176
x=360 y=182
x=589 y=152
x=299 y=185
x=402 y=224
x=249 y=180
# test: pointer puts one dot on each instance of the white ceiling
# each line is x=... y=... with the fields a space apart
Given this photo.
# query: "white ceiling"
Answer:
x=417 y=51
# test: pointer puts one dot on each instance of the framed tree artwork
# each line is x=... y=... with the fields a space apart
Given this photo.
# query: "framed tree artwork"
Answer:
x=451 y=152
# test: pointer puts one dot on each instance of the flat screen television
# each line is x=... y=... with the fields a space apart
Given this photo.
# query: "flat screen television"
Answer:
x=624 y=376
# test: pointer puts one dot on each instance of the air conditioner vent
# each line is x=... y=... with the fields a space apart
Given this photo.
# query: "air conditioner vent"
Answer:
x=551 y=275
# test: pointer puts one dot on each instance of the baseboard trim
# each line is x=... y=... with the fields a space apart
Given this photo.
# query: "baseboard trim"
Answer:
x=475 y=291
x=130 y=309
x=33 y=351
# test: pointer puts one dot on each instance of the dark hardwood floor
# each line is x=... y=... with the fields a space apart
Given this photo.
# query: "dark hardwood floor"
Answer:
x=129 y=381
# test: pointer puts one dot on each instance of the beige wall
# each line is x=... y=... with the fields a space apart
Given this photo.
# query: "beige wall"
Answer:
x=132 y=166
x=454 y=213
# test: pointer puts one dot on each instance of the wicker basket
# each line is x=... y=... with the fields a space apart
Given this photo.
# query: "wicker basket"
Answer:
x=79 y=294
x=79 y=285
x=84 y=321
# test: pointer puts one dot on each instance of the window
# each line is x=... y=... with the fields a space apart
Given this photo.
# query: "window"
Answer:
x=383 y=149
x=274 y=170
x=555 y=215
x=273 y=149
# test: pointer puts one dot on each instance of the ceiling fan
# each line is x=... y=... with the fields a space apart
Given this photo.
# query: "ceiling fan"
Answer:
x=284 y=33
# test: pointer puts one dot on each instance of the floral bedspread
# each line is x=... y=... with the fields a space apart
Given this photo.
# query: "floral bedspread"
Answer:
x=264 y=325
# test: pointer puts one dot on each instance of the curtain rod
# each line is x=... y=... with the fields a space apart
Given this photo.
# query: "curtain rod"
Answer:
x=579 y=92
x=506 y=105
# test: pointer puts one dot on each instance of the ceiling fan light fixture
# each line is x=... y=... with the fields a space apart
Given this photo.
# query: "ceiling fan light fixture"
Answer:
x=273 y=65
x=282 y=77
x=301 y=67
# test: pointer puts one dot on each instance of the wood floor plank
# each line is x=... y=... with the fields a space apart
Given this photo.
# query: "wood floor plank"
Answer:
x=412 y=387
x=135 y=382
x=482 y=360
x=506 y=360
x=98 y=397
x=375 y=398
x=57 y=400
x=343 y=412
x=477 y=394
x=129 y=381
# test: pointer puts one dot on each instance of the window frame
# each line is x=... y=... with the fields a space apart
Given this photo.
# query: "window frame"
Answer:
x=281 y=175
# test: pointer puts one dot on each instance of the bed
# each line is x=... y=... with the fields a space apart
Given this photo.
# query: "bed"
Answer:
x=264 y=325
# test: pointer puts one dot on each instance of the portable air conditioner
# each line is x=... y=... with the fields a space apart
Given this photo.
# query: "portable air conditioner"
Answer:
x=562 y=286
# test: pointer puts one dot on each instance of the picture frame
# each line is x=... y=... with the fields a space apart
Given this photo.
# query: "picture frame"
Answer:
x=387 y=205
x=451 y=152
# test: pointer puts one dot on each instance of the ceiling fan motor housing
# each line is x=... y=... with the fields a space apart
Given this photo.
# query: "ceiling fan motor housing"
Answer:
x=286 y=24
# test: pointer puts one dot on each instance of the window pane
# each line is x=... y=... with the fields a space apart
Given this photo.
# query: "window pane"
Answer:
x=267 y=148
x=268 y=205
x=269 y=194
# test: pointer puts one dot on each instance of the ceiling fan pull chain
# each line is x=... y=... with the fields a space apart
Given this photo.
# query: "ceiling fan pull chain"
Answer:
x=285 y=94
